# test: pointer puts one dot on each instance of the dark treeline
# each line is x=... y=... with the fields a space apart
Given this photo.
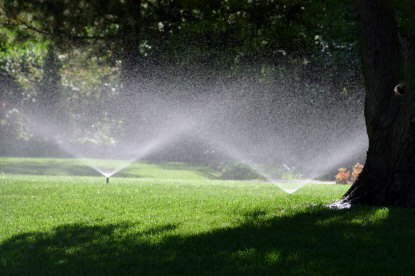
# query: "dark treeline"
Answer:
x=142 y=37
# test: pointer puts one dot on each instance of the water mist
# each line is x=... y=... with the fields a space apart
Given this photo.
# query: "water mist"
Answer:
x=282 y=132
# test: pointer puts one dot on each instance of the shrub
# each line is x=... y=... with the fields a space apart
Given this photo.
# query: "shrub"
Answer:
x=343 y=176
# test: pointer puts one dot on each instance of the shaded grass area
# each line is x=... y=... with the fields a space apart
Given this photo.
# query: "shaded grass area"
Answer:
x=316 y=242
x=79 y=167
x=66 y=225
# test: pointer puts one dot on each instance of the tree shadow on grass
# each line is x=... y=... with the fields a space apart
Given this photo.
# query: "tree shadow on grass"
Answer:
x=315 y=242
x=76 y=167
x=57 y=167
x=204 y=171
x=47 y=168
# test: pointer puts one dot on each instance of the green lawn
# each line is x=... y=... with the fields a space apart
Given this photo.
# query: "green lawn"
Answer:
x=58 y=217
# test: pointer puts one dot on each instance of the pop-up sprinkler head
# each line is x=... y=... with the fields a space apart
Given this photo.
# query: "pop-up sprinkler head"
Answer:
x=107 y=180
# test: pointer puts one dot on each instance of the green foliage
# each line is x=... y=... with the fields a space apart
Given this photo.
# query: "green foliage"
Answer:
x=23 y=61
x=248 y=29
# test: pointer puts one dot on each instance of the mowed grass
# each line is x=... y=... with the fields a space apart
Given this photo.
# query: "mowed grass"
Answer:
x=173 y=219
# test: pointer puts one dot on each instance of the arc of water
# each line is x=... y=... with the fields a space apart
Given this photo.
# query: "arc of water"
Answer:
x=237 y=155
x=166 y=135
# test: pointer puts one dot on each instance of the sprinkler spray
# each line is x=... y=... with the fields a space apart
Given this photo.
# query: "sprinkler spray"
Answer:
x=107 y=179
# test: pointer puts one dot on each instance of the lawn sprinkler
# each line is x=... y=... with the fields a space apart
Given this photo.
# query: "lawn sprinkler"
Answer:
x=107 y=177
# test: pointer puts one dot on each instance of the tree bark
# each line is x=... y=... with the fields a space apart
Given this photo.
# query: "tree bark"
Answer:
x=128 y=103
x=50 y=87
x=130 y=61
x=388 y=178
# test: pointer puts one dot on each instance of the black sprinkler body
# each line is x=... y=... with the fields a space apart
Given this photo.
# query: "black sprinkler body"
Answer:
x=107 y=180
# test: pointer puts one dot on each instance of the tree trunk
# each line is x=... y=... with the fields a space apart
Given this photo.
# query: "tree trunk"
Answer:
x=388 y=177
x=50 y=87
x=130 y=69
x=126 y=103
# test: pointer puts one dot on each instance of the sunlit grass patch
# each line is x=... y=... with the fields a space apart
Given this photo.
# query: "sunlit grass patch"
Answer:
x=192 y=225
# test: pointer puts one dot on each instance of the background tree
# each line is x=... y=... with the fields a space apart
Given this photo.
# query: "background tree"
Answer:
x=303 y=51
